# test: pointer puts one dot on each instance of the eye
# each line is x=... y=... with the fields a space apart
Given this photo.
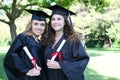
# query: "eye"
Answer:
x=42 y=24
x=35 y=24
x=53 y=19
x=58 y=18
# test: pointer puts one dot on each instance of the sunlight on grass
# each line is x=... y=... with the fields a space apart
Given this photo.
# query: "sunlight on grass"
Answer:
x=103 y=65
x=106 y=65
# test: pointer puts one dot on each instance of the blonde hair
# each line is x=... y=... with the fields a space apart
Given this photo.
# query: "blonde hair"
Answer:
x=29 y=32
x=28 y=29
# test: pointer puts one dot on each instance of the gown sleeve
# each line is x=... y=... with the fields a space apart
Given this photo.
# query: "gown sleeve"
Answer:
x=74 y=66
x=12 y=61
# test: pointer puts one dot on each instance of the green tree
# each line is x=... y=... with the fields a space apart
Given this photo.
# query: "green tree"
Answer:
x=14 y=9
x=94 y=26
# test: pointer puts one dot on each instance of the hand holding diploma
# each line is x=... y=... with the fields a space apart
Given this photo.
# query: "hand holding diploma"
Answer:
x=53 y=64
x=34 y=72
x=30 y=57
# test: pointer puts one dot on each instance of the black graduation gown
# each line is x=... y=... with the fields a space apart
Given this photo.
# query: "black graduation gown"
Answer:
x=16 y=61
x=73 y=63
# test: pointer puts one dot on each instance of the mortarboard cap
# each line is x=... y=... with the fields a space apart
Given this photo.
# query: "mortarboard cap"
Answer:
x=38 y=15
x=56 y=9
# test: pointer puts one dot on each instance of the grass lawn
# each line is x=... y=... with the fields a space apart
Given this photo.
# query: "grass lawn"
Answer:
x=2 y=72
x=103 y=65
x=3 y=51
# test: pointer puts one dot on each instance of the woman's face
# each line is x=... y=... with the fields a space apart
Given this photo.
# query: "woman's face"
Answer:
x=38 y=27
x=57 y=22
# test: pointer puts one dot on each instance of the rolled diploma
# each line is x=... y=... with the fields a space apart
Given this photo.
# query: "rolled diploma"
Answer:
x=28 y=53
x=59 y=48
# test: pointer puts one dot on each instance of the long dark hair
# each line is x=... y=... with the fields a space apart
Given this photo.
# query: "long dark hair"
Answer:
x=68 y=31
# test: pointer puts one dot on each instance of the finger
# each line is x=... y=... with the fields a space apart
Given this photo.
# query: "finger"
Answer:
x=48 y=63
x=37 y=74
x=49 y=66
x=39 y=68
x=48 y=60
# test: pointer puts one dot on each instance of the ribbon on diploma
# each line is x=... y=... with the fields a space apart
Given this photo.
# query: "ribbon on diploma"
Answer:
x=58 y=54
x=34 y=62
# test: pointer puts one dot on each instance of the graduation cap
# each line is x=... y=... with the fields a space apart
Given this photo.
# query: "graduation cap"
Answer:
x=38 y=15
x=56 y=9
x=60 y=10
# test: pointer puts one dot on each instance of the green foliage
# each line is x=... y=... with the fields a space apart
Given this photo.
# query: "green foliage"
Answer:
x=94 y=43
x=7 y=7
x=65 y=3
x=97 y=27
x=99 y=5
x=114 y=31
x=116 y=44
x=98 y=34
x=99 y=30
x=114 y=34
x=36 y=1
x=45 y=3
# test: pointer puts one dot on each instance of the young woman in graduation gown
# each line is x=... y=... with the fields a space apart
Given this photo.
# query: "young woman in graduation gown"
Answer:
x=72 y=59
x=17 y=64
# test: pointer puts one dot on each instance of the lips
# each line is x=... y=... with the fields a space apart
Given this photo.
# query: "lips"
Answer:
x=56 y=25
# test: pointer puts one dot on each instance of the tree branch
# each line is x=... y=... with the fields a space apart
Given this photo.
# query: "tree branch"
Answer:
x=4 y=21
x=19 y=2
x=14 y=6
x=24 y=7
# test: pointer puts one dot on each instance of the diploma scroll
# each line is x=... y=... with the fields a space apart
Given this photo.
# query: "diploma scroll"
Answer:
x=58 y=50
x=30 y=57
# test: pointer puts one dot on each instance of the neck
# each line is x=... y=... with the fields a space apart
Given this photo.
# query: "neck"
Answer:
x=57 y=37
x=59 y=33
x=36 y=37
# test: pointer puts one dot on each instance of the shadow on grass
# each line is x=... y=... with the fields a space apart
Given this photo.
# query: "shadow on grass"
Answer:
x=105 y=49
x=94 y=52
x=93 y=75
x=2 y=71
x=2 y=56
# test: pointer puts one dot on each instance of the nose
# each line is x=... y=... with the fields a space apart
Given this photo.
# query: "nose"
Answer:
x=55 y=21
x=40 y=26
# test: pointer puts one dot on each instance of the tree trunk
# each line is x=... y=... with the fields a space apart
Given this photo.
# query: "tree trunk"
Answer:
x=107 y=43
x=13 y=30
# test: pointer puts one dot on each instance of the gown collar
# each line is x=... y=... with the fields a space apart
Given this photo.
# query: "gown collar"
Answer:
x=58 y=43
